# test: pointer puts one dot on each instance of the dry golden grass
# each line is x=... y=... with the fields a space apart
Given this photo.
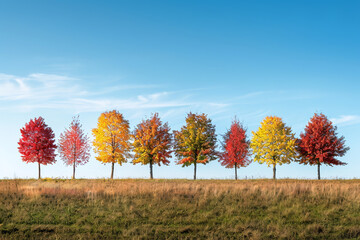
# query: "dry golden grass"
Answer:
x=332 y=189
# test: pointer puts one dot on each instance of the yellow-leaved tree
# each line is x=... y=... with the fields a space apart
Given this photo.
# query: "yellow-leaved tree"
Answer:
x=273 y=143
x=112 y=139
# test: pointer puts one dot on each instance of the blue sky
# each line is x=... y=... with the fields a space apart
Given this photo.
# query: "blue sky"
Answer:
x=225 y=58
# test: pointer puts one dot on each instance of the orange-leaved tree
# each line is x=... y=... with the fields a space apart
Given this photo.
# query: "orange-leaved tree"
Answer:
x=152 y=142
x=196 y=141
x=112 y=139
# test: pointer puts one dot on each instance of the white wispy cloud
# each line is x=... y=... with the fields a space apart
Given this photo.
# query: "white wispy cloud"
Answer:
x=49 y=91
x=37 y=86
x=52 y=91
x=346 y=120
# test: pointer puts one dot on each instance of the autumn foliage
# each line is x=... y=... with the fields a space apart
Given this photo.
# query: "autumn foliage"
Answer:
x=112 y=139
x=37 y=143
x=196 y=141
x=74 y=146
x=152 y=143
x=273 y=143
x=319 y=144
x=236 y=152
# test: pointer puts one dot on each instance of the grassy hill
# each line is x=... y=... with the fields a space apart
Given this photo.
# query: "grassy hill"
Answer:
x=180 y=209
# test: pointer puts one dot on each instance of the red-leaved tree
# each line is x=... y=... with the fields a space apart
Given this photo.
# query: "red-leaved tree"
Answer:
x=37 y=143
x=74 y=145
x=320 y=143
x=236 y=146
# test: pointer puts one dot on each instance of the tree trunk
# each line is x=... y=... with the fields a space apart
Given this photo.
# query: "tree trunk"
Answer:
x=195 y=170
x=73 y=177
x=235 y=171
x=151 y=169
x=319 y=170
x=39 y=177
x=74 y=158
x=274 y=172
x=112 y=170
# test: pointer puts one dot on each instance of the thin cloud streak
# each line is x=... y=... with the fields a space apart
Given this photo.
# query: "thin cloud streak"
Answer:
x=49 y=91
x=37 y=86
x=346 y=120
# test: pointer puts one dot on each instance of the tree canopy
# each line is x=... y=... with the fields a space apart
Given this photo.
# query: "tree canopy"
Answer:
x=37 y=143
x=152 y=142
x=273 y=143
x=112 y=139
x=196 y=141
x=320 y=143
x=236 y=148
x=74 y=145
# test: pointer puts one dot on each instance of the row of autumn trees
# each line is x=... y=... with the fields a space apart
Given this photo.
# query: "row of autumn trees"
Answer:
x=152 y=142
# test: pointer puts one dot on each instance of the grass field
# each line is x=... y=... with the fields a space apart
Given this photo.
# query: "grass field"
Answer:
x=179 y=209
